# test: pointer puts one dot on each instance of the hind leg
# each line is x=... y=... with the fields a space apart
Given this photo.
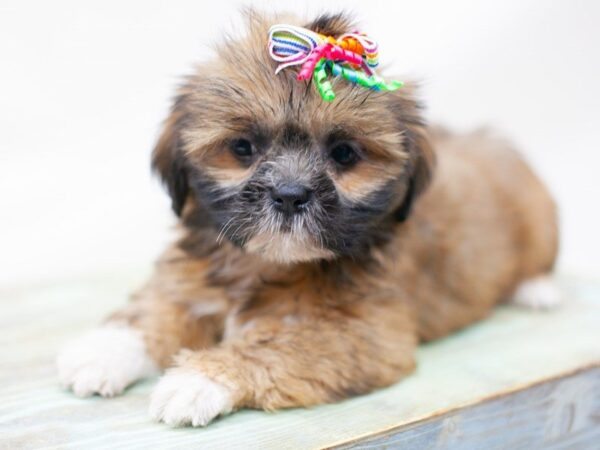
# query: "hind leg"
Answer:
x=539 y=292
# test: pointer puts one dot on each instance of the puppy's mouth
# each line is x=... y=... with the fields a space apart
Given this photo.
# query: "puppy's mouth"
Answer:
x=287 y=234
x=287 y=246
x=287 y=222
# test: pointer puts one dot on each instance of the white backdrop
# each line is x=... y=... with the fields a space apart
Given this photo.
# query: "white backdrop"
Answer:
x=85 y=84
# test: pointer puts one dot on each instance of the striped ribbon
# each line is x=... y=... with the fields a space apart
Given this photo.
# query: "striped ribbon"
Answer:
x=352 y=56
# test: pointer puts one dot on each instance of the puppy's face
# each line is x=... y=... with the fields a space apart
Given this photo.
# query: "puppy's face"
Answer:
x=274 y=169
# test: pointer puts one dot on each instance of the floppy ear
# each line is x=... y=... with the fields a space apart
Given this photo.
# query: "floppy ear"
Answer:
x=420 y=176
x=408 y=114
x=169 y=163
x=402 y=213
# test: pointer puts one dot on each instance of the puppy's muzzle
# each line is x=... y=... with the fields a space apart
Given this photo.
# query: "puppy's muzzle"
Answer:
x=291 y=198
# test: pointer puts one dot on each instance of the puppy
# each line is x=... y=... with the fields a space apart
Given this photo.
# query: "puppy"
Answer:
x=320 y=242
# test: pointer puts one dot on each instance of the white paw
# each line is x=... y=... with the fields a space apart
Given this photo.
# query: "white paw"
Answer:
x=104 y=361
x=541 y=292
x=184 y=397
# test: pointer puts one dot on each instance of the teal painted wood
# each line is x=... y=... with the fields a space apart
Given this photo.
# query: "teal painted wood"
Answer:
x=558 y=414
x=509 y=352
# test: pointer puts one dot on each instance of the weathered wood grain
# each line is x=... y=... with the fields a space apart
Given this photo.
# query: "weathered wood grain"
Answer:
x=563 y=413
x=460 y=393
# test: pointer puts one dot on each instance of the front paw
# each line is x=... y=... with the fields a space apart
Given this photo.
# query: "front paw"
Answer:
x=187 y=397
x=104 y=361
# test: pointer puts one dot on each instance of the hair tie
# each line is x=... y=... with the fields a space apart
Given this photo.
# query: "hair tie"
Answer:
x=352 y=56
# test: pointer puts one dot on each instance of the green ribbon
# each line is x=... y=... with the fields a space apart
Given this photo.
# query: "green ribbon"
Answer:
x=323 y=85
x=362 y=79
x=325 y=88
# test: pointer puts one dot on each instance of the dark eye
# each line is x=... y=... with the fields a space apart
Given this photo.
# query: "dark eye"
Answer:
x=242 y=148
x=344 y=154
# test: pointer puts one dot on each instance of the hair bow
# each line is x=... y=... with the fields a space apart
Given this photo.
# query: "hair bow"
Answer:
x=353 y=56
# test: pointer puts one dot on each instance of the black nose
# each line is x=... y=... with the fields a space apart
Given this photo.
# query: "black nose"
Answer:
x=290 y=198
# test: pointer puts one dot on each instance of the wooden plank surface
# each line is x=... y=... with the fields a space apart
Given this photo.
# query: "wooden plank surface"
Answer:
x=562 y=413
x=512 y=350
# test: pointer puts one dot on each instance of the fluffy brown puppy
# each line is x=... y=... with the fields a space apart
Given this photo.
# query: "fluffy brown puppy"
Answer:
x=320 y=242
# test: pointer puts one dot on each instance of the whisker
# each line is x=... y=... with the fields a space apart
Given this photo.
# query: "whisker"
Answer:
x=221 y=234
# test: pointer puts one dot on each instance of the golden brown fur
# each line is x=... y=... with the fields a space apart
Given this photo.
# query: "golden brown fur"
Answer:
x=321 y=328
